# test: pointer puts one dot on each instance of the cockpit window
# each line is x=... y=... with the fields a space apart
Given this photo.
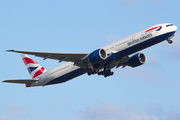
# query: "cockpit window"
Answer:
x=169 y=25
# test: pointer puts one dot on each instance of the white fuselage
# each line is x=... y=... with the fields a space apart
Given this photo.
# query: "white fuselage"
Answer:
x=125 y=46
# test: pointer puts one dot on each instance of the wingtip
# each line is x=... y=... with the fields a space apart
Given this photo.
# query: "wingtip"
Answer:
x=10 y=50
x=5 y=81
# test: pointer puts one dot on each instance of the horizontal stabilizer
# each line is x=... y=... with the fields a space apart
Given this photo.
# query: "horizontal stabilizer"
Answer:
x=22 y=81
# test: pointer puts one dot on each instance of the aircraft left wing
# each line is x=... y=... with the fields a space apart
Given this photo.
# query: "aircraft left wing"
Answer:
x=68 y=57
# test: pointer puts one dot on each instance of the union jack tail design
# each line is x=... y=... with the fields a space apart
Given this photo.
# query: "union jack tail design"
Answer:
x=33 y=67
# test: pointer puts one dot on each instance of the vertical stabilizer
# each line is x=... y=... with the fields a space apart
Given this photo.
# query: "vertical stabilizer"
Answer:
x=33 y=67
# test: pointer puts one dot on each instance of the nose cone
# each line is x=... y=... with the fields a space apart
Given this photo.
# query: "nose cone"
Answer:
x=174 y=28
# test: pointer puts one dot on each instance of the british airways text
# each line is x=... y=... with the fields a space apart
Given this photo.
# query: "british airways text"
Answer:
x=137 y=40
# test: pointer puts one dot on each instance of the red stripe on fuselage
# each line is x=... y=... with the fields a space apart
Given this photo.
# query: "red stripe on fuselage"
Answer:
x=29 y=60
x=153 y=28
x=39 y=72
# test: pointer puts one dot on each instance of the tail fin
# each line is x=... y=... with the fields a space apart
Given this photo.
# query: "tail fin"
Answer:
x=33 y=67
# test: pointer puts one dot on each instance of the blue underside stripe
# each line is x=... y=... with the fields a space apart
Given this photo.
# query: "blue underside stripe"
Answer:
x=125 y=52
x=68 y=76
x=144 y=45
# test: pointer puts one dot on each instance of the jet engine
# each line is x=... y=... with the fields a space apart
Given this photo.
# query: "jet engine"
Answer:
x=137 y=60
x=97 y=56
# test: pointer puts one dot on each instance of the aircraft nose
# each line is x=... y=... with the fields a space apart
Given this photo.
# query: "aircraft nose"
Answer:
x=174 y=28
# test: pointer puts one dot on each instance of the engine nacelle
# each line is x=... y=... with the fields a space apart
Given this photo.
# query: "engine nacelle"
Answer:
x=137 y=60
x=97 y=56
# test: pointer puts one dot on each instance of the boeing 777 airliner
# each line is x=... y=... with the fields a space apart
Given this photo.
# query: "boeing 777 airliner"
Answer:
x=99 y=61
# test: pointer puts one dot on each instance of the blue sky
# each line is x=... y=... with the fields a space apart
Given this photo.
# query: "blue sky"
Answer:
x=148 y=92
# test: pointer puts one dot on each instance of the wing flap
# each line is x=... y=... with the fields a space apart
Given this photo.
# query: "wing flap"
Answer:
x=21 y=81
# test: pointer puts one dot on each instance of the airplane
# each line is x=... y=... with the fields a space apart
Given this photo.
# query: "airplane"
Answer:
x=99 y=61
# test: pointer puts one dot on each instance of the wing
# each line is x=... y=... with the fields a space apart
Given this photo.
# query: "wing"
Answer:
x=69 y=57
x=120 y=62
x=78 y=58
x=22 y=81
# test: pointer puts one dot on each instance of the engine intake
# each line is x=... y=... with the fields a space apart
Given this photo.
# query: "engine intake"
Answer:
x=137 y=60
x=97 y=56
